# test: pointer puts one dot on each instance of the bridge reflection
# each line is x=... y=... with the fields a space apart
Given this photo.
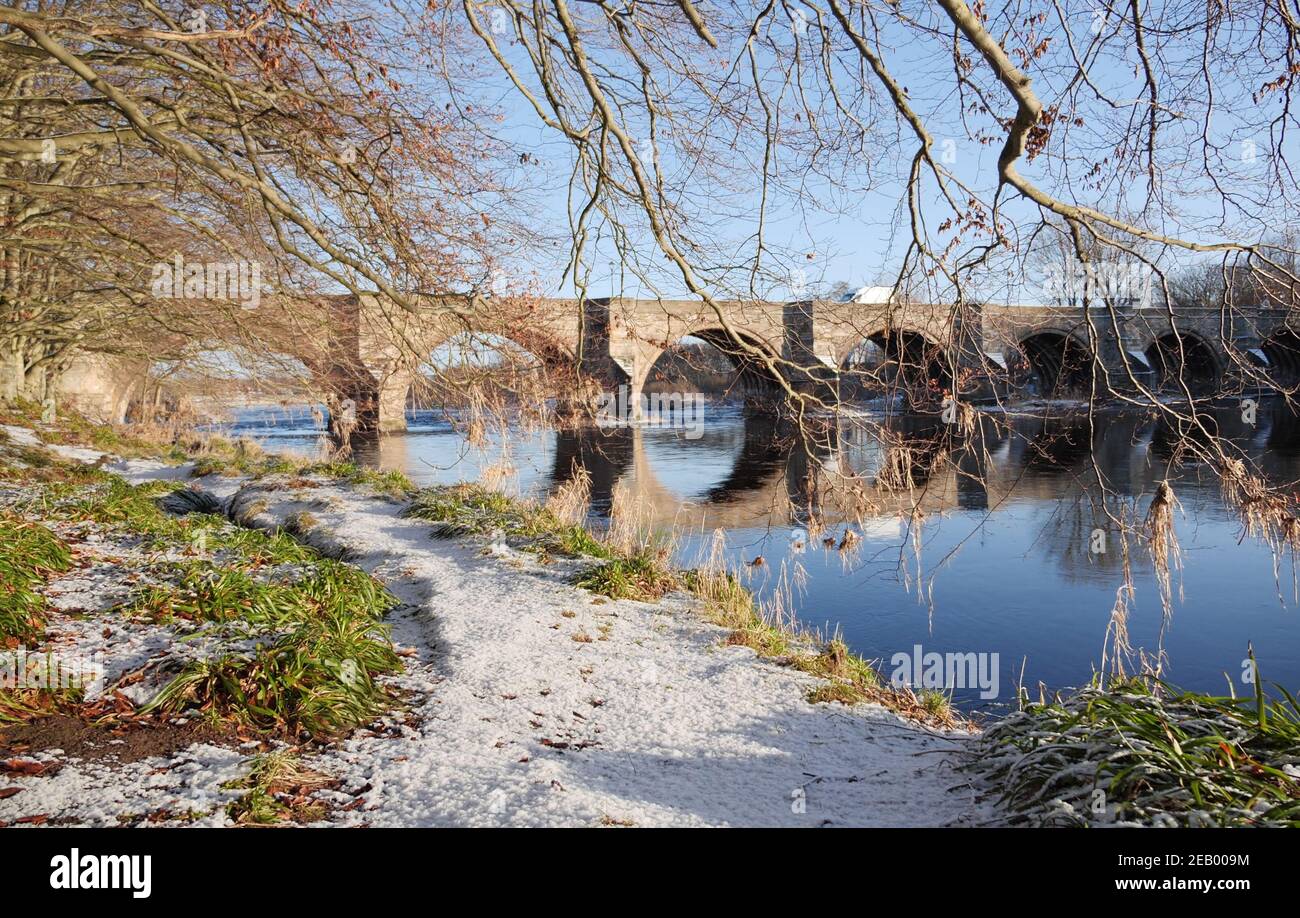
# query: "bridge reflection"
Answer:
x=752 y=471
x=1044 y=483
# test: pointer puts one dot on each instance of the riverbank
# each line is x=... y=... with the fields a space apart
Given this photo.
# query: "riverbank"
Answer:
x=257 y=640
x=521 y=698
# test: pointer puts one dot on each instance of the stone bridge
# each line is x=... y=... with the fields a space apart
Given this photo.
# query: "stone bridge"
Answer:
x=372 y=351
x=822 y=346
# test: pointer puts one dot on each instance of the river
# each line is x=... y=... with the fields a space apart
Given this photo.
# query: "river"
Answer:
x=1008 y=555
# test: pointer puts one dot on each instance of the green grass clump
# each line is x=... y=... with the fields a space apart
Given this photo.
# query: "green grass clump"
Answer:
x=259 y=547
x=470 y=509
x=205 y=594
x=466 y=509
x=315 y=672
x=728 y=601
x=1142 y=752
x=836 y=693
x=276 y=790
x=24 y=705
x=29 y=554
x=112 y=502
x=642 y=577
x=134 y=507
x=243 y=461
x=391 y=482
x=318 y=678
x=836 y=662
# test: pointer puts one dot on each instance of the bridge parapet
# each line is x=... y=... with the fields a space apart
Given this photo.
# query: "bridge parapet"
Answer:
x=376 y=349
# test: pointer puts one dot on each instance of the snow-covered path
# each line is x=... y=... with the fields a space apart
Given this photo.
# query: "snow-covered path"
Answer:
x=532 y=702
x=544 y=705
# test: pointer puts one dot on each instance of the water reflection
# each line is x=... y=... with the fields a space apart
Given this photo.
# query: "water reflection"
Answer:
x=1008 y=515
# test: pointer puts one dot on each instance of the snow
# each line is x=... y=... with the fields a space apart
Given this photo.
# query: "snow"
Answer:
x=21 y=435
x=663 y=723
x=75 y=453
x=873 y=295
x=137 y=471
x=654 y=721
x=99 y=792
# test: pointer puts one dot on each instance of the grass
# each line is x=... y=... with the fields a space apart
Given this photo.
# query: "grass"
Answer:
x=214 y=454
x=1137 y=751
x=314 y=672
x=74 y=429
x=277 y=790
x=313 y=640
x=300 y=639
x=29 y=554
x=642 y=577
x=847 y=677
x=259 y=547
x=391 y=482
x=468 y=509
x=25 y=704
x=318 y=680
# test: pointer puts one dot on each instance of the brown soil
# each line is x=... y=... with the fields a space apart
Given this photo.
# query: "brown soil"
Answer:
x=79 y=738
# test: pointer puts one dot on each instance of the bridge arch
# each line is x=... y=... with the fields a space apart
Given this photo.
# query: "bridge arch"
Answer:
x=1282 y=350
x=1186 y=356
x=396 y=381
x=753 y=376
x=1054 y=363
x=893 y=359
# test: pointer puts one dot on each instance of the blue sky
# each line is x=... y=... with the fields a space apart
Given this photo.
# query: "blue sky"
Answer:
x=853 y=235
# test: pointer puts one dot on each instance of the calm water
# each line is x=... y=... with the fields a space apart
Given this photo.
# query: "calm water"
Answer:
x=1005 y=565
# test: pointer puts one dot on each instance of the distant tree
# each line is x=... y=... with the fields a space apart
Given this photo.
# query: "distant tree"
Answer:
x=297 y=137
x=841 y=290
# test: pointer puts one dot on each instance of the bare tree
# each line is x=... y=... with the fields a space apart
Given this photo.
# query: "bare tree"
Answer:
x=298 y=139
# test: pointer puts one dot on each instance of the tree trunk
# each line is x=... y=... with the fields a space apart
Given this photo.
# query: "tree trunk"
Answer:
x=12 y=376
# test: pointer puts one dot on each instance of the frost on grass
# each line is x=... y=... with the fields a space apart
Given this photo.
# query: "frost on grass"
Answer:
x=1137 y=753
x=202 y=629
